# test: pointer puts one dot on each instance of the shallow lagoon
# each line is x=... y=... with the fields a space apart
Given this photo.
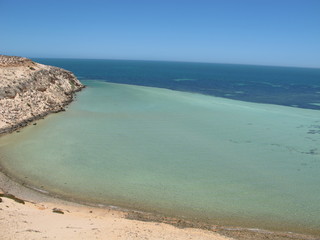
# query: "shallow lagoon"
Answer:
x=181 y=154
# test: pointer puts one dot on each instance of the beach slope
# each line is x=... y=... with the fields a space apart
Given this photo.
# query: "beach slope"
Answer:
x=58 y=221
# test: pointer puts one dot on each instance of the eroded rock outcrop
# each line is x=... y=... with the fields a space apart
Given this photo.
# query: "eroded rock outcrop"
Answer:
x=29 y=91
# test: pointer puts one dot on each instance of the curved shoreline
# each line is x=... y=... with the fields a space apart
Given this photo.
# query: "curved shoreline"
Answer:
x=40 y=216
x=32 y=194
x=35 y=196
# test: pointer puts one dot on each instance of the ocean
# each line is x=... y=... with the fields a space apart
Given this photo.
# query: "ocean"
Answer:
x=289 y=86
x=232 y=145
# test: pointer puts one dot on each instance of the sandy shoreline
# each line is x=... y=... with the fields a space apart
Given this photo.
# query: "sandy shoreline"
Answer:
x=40 y=217
x=35 y=219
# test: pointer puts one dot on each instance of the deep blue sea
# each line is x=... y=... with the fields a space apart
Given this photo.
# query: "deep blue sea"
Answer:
x=289 y=86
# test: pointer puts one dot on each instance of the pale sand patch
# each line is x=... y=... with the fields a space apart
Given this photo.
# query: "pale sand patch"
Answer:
x=37 y=221
x=2 y=124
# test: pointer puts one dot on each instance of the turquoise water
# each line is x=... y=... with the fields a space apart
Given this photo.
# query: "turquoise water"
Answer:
x=181 y=154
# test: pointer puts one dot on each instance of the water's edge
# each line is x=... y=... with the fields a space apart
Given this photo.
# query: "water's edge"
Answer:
x=17 y=187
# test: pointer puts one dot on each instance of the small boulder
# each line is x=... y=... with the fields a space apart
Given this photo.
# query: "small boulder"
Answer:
x=57 y=210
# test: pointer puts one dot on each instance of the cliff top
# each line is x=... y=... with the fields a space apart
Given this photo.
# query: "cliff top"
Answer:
x=13 y=61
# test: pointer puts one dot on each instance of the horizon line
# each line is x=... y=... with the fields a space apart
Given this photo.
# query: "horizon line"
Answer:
x=182 y=61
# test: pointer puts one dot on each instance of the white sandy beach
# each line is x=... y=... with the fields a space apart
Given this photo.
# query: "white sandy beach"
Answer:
x=36 y=220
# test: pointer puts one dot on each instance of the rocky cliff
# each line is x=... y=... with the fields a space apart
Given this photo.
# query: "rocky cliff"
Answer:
x=29 y=91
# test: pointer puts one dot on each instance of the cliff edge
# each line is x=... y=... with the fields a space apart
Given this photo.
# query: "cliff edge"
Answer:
x=29 y=91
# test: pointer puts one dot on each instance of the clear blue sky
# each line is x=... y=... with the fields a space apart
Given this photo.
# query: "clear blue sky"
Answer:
x=267 y=32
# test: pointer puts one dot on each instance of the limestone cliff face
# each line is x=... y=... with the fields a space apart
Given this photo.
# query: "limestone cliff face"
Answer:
x=29 y=90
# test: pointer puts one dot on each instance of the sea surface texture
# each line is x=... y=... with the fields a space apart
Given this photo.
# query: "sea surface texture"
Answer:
x=297 y=87
x=182 y=153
